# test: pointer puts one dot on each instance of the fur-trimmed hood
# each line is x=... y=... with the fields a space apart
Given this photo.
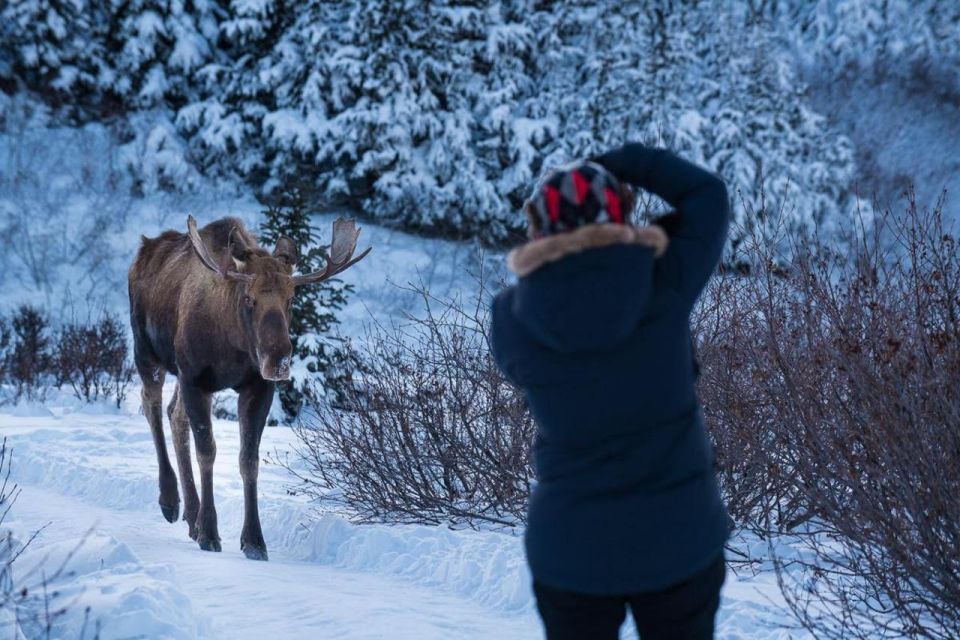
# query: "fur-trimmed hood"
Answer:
x=583 y=290
x=526 y=259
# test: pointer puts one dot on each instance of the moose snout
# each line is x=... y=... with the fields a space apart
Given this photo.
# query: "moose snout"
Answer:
x=276 y=366
x=274 y=349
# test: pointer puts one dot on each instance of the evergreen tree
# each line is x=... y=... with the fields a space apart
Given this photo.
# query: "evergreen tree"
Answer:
x=438 y=115
x=318 y=358
x=52 y=45
x=156 y=46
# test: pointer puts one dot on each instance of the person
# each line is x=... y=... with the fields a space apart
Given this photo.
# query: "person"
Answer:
x=626 y=511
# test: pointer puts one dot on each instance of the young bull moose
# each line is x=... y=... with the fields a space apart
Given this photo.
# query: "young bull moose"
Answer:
x=213 y=308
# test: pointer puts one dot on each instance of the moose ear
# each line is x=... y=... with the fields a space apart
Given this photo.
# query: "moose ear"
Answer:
x=239 y=249
x=286 y=250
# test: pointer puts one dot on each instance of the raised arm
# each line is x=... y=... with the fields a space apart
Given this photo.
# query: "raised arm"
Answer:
x=699 y=197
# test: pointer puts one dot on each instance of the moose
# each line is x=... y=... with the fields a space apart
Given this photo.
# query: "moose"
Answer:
x=213 y=308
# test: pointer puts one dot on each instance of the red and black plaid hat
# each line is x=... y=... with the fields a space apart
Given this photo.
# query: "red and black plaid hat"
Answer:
x=575 y=195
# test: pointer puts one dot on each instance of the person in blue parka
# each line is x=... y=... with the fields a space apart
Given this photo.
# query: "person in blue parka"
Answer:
x=596 y=332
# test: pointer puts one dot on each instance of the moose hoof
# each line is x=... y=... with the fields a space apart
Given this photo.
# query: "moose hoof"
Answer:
x=254 y=553
x=171 y=513
x=210 y=545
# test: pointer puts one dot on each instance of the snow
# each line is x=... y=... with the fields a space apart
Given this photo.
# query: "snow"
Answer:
x=104 y=574
x=92 y=476
x=289 y=128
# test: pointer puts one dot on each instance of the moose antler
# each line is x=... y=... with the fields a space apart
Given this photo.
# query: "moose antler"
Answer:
x=207 y=259
x=342 y=246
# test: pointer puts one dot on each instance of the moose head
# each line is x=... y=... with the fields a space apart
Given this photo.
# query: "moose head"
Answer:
x=266 y=285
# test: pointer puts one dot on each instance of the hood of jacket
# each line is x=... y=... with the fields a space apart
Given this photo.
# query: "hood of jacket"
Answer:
x=586 y=290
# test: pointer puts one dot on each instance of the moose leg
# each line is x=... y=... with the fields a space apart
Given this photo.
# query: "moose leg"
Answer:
x=196 y=403
x=254 y=405
x=152 y=400
x=180 y=425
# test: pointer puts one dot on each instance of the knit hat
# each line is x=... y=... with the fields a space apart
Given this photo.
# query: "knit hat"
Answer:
x=575 y=195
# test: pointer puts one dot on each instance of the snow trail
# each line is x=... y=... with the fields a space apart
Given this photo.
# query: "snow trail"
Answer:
x=81 y=472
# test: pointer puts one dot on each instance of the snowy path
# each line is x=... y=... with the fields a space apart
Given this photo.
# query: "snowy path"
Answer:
x=81 y=471
x=284 y=598
x=143 y=577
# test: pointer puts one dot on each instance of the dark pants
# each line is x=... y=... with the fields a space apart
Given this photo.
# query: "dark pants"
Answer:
x=684 y=611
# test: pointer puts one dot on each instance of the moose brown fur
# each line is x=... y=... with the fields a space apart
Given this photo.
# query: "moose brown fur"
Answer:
x=213 y=308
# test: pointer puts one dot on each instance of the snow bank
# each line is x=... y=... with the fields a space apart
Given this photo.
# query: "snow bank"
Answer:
x=107 y=592
x=487 y=567
x=98 y=465
x=65 y=467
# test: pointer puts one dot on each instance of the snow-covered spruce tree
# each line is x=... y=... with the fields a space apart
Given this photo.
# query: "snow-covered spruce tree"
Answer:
x=916 y=42
x=155 y=48
x=382 y=105
x=320 y=364
x=790 y=171
x=107 y=56
x=702 y=83
x=437 y=116
x=53 y=48
x=226 y=124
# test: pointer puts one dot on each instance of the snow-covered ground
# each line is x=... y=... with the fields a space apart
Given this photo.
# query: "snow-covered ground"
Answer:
x=91 y=473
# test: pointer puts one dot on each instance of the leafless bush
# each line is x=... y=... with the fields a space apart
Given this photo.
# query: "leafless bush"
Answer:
x=831 y=385
x=832 y=388
x=737 y=410
x=89 y=358
x=6 y=340
x=92 y=359
x=27 y=358
x=8 y=548
x=225 y=405
x=430 y=433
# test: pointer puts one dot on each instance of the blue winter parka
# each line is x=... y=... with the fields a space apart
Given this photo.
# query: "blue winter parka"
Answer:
x=597 y=335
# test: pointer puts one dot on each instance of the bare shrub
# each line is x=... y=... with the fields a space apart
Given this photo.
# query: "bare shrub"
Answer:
x=225 y=405
x=92 y=359
x=832 y=388
x=429 y=433
x=6 y=340
x=737 y=410
x=28 y=358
